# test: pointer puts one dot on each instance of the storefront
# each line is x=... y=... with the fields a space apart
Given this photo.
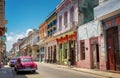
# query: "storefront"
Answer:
x=67 y=48
x=51 y=51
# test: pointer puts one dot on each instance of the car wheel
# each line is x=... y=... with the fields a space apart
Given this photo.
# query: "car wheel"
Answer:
x=17 y=72
x=33 y=71
x=14 y=69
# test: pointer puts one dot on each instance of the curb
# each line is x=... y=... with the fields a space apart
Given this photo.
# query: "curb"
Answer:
x=79 y=70
x=72 y=68
x=102 y=74
x=84 y=71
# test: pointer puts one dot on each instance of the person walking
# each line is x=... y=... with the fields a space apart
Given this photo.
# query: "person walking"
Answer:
x=69 y=62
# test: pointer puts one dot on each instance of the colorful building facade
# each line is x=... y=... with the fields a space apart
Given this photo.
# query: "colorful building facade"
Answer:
x=50 y=39
x=29 y=47
x=41 y=43
x=66 y=35
x=109 y=16
x=2 y=29
x=91 y=48
x=2 y=18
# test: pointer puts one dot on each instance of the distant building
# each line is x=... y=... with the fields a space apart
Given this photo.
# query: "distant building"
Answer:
x=41 y=43
x=2 y=18
x=29 y=45
x=2 y=29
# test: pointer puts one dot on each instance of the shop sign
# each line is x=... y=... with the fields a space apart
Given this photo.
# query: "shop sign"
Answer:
x=66 y=38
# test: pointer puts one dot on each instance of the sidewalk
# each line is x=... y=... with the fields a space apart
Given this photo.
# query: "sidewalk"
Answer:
x=5 y=72
x=96 y=72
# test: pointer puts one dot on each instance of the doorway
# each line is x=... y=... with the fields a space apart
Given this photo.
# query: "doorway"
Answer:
x=113 y=49
x=54 y=55
x=72 y=52
x=95 y=52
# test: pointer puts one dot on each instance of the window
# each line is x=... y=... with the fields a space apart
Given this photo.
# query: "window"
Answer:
x=48 y=26
x=26 y=60
x=60 y=22
x=38 y=50
x=55 y=21
x=37 y=55
x=48 y=33
x=54 y=29
x=82 y=54
x=72 y=14
x=65 y=19
x=30 y=51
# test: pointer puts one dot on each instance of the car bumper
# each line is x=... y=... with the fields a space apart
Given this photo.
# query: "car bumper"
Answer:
x=12 y=65
x=32 y=69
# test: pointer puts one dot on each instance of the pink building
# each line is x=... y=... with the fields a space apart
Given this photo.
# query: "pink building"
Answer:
x=91 y=44
x=91 y=49
x=108 y=13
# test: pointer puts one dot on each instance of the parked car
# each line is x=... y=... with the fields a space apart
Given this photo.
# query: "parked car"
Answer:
x=12 y=62
x=25 y=63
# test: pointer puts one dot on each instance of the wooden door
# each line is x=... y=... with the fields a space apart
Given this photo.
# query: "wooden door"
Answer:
x=111 y=60
x=72 y=55
x=111 y=46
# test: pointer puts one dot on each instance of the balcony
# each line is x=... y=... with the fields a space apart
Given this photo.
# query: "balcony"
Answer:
x=107 y=9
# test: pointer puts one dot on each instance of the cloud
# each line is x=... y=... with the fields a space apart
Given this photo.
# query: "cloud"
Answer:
x=28 y=30
x=10 y=38
x=13 y=37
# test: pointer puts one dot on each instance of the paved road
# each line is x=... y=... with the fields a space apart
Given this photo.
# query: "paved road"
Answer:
x=52 y=71
x=49 y=71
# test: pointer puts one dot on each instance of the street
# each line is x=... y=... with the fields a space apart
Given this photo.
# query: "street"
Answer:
x=47 y=71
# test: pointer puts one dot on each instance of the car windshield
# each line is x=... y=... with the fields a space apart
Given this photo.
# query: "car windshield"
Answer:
x=13 y=60
x=26 y=60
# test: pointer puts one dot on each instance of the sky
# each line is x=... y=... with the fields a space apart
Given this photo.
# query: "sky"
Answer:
x=24 y=15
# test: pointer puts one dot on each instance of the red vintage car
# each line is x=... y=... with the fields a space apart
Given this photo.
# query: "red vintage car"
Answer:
x=25 y=63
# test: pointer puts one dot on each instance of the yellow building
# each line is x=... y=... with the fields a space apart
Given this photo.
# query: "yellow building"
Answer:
x=50 y=40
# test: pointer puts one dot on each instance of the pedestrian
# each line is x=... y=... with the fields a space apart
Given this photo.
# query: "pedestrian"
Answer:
x=69 y=62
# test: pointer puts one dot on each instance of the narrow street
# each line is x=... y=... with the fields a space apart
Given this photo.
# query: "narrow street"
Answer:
x=47 y=71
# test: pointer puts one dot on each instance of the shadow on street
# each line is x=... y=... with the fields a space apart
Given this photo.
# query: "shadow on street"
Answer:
x=26 y=73
x=8 y=72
